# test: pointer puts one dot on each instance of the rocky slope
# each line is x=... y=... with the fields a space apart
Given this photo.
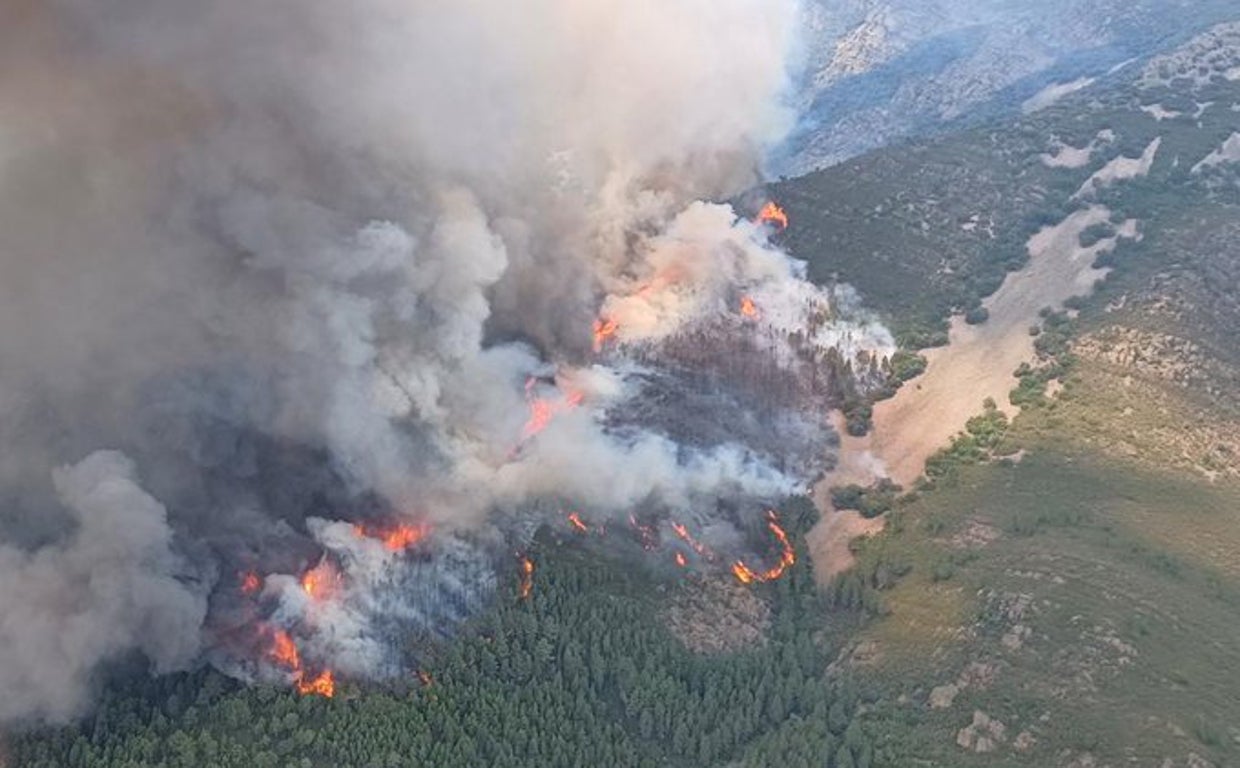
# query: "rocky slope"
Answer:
x=877 y=71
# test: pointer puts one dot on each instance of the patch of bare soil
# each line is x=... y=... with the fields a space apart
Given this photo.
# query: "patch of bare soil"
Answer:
x=979 y=362
x=830 y=541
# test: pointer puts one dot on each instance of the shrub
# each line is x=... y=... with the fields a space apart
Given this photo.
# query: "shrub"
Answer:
x=1096 y=233
x=977 y=316
x=907 y=365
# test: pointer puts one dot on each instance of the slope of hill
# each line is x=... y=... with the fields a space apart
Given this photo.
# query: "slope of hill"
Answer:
x=1060 y=589
x=880 y=71
x=1070 y=592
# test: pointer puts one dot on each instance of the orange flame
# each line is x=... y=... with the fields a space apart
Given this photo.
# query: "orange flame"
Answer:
x=543 y=410
x=771 y=214
x=680 y=560
x=683 y=532
x=321 y=580
x=396 y=538
x=748 y=308
x=283 y=651
x=574 y=519
x=526 y=585
x=604 y=329
x=645 y=532
x=322 y=685
x=787 y=557
x=251 y=583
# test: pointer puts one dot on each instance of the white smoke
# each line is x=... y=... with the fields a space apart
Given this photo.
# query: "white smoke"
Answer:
x=109 y=588
x=360 y=228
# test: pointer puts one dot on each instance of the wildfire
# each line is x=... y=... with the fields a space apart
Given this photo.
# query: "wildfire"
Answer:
x=680 y=560
x=686 y=537
x=771 y=214
x=604 y=329
x=748 y=308
x=574 y=520
x=319 y=581
x=644 y=532
x=396 y=538
x=322 y=685
x=283 y=652
x=251 y=583
x=543 y=410
x=787 y=557
x=526 y=585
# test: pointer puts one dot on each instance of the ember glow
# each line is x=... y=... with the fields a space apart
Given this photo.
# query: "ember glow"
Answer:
x=251 y=583
x=574 y=520
x=395 y=538
x=324 y=684
x=604 y=330
x=680 y=560
x=283 y=653
x=321 y=580
x=526 y=585
x=787 y=557
x=644 y=532
x=544 y=409
x=748 y=308
x=701 y=549
x=772 y=215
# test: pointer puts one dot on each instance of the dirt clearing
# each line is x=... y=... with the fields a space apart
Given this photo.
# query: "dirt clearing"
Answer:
x=978 y=363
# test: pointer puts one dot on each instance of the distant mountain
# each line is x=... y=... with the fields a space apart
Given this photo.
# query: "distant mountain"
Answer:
x=877 y=71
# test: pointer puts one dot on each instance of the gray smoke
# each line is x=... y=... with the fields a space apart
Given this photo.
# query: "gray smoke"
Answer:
x=112 y=586
x=298 y=261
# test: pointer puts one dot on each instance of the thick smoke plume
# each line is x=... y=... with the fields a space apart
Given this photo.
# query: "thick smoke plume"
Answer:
x=113 y=585
x=294 y=263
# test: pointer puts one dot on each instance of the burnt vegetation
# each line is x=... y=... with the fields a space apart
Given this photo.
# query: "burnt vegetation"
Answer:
x=777 y=396
x=581 y=672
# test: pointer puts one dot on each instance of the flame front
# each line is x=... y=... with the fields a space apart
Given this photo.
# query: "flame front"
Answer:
x=321 y=580
x=644 y=532
x=575 y=520
x=526 y=585
x=702 y=550
x=748 y=308
x=543 y=410
x=283 y=653
x=322 y=685
x=604 y=329
x=395 y=538
x=787 y=557
x=771 y=214
x=680 y=560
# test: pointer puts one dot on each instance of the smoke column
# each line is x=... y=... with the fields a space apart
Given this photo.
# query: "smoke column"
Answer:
x=269 y=266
